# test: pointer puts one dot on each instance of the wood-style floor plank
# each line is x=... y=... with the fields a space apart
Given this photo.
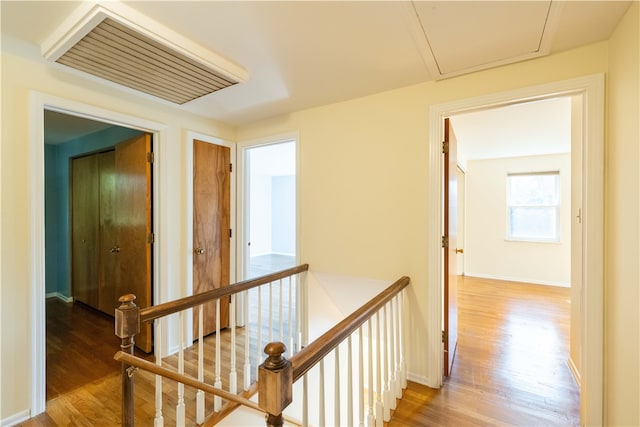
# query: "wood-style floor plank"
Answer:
x=511 y=362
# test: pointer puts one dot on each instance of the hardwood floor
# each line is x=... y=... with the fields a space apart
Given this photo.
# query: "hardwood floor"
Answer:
x=510 y=366
x=511 y=363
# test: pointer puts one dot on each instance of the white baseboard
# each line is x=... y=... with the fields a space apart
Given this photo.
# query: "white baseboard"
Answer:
x=574 y=371
x=59 y=296
x=16 y=419
x=418 y=379
x=519 y=279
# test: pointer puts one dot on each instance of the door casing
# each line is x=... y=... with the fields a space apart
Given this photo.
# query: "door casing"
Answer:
x=592 y=317
x=39 y=102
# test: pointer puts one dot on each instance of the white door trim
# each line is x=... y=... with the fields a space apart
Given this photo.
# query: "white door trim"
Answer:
x=38 y=103
x=592 y=89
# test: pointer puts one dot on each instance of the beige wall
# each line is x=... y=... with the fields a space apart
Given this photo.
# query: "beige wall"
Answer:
x=363 y=191
x=364 y=174
x=19 y=77
x=486 y=224
x=622 y=237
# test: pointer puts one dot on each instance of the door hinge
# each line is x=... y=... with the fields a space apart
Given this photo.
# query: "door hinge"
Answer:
x=443 y=336
x=150 y=157
x=151 y=238
x=445 y=241
x=230 y=167
x=230 y=233
x=445 y=147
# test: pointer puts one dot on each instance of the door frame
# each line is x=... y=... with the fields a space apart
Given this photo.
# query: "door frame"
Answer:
x=243 y=203
x=191 y=137
x=592 y=317
x=38 y=103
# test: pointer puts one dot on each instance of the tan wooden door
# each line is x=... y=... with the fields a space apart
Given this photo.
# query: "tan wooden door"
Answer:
x=84 y=231
x=133 y=248
x=450 y=224
x=211 y=228
x=108 y=300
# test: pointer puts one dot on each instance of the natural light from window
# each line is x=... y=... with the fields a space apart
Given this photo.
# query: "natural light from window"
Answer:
x=533 y=206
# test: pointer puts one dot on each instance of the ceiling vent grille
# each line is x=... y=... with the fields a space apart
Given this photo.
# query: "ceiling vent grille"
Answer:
x=106 y=47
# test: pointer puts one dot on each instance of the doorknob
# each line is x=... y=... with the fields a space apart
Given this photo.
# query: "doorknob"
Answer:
x=459 y=251
x=114 y=250
x=200 y=251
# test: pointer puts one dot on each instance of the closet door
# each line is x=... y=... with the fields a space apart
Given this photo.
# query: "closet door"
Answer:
x=108 y=300
x=84 y=231
x=211 y=224
x=133 y=226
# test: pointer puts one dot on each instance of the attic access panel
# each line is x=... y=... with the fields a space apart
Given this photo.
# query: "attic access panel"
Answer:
x=465 y=36
x=157 y=62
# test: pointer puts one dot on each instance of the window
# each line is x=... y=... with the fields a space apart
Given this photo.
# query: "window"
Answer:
x=533 y=206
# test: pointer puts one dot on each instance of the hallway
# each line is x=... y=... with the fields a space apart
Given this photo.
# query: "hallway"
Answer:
x=511 y=363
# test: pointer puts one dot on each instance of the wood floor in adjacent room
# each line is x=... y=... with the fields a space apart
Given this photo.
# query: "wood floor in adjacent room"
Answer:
x=510 y=367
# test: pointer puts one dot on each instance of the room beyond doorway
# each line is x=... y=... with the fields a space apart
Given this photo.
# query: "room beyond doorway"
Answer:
x=270 y=208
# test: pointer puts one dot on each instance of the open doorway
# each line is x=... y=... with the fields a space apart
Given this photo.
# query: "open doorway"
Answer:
x=41 y=103
x=89 y=166
x=590 y=317
x=270 y=207
x=518 y=229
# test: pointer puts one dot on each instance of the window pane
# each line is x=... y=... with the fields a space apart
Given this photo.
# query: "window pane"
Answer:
x=533 y=190
x=533 y=222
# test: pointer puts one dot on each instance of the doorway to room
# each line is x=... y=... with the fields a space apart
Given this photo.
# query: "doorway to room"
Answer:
x=591 y=133
x=270 y=214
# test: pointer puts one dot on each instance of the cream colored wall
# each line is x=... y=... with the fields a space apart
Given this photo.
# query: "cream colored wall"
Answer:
x=19 y=77
x=363 y=190
x=622 y=232
x=486 y=224
x=363 y=174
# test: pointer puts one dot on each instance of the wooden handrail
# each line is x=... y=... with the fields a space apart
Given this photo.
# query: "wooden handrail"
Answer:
x=311 y=354
x=154 y=312
x=131 y=360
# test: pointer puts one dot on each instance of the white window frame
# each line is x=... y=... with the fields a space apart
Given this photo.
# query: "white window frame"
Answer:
x=556 y=206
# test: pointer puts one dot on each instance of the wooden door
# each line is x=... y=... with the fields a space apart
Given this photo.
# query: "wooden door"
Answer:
x=108 y=299
x=133 y=248
x=211 y=229
x=450 y=222
x=84 y=229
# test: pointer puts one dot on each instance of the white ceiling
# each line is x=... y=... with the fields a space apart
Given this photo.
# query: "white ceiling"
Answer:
x=301 y=54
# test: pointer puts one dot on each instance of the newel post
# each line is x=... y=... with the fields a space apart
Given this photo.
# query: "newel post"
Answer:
x=127 y=326
x=275 y=384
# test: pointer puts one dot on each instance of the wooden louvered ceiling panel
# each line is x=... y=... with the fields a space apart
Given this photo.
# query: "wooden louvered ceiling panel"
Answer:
x=114 y=52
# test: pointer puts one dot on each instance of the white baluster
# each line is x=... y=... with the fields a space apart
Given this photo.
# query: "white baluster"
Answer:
x=349 y=383
x=336 y=386
x=370 y=391
x=379 y=387
x=217 y=400
x=321 y=422
x=386 y=395
x=233 y=374
x=398 y=375
x=180 y=409
x=157 y=345
x=200 y=393
x=305 y=401
x=299 y=314
x=392 y=358
x=281 y=313
x=403 y=341
x=270 y=311
x=259 y=352
x=247 y=343
x=290 y=310
x=361 y=387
